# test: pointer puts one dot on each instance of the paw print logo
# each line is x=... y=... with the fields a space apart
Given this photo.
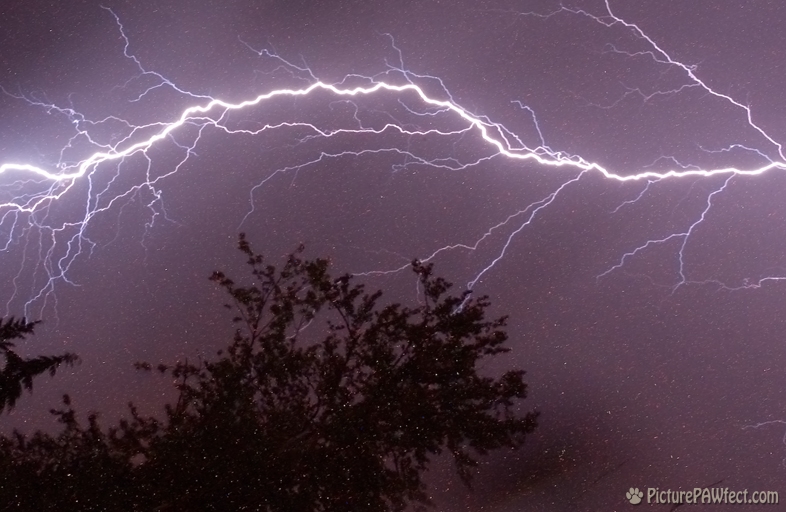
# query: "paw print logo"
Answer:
x=634 y=495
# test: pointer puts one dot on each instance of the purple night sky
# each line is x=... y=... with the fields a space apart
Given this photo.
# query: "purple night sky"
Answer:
x=648 y=314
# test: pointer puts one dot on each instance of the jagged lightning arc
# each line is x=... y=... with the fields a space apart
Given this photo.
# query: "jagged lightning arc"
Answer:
x=97 y=182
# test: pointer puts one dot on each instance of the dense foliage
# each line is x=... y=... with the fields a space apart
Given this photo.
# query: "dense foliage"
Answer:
x=324 y=400
x=17 y=373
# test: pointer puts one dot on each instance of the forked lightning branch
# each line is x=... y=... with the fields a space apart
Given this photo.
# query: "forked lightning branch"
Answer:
x=47 y=212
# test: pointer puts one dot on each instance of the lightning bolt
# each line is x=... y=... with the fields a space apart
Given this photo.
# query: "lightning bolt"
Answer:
x=46 y=212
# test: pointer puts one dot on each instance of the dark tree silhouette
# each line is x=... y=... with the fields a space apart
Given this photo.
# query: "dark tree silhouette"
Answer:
x=17 y=374
x=324 y=400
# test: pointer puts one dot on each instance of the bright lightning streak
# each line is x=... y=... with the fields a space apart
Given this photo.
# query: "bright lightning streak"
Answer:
x=96 y=182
